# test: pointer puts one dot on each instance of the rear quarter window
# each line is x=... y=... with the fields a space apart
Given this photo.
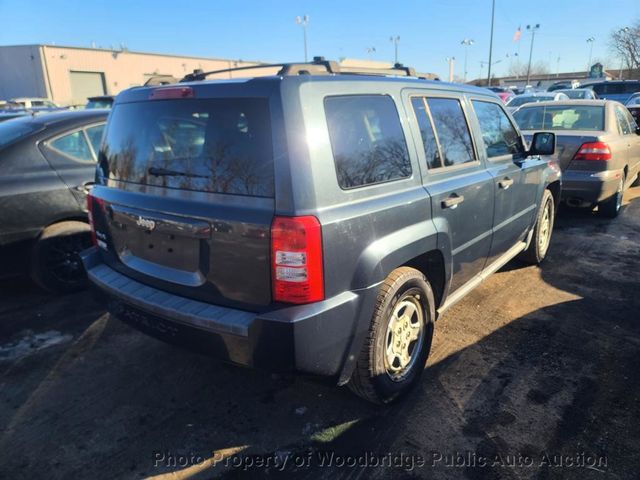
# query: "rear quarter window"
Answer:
x=212 y=145
x=367 y=140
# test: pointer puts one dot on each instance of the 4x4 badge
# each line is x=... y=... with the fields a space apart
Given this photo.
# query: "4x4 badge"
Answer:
x=146 y=223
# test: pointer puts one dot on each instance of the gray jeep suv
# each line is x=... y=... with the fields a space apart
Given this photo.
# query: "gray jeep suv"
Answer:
x=317 y=220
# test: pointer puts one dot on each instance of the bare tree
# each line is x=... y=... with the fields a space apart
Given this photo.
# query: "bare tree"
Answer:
x=519 y=69
x=625 y=43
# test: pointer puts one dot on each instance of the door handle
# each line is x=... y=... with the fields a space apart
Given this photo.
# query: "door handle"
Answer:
x=505 y=183
x=453 y=201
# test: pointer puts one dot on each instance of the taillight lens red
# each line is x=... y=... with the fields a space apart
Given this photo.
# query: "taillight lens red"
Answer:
x=91 y=203
x=593 y=151
x=296 y=259
x=171 y=92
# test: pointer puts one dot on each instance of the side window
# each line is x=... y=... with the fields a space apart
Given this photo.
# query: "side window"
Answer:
x=498 y=134
x=632 y=121
x=623 y=124
x=75 y=145
x=367 y=140
x=95 y=136
x=432 y=154
x=452 y=130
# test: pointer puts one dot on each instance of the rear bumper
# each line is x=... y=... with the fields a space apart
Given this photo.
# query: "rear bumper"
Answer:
x=585 y=188
x=315 y=338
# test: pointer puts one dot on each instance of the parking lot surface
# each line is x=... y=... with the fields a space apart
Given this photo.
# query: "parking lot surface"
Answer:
x=533 y=375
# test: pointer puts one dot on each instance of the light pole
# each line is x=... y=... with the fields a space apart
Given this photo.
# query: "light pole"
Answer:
x=590 y=41
x=395 y=40
x=371 y=51
x=467 y=42
x=493 y=14
x=304 y=21
x=483 y=63
x=451 y=62
x=558 y=66
x=532 y=29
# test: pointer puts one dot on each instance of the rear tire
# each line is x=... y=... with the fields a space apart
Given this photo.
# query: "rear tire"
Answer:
x=55 y=260
x=397 y=346
x=539 y=246
x=610 y=208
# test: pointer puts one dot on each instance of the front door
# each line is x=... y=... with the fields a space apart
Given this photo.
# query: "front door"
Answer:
x=514 y=175
x=460 y=187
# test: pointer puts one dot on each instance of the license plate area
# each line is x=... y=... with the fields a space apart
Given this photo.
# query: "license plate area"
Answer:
x=164 y=246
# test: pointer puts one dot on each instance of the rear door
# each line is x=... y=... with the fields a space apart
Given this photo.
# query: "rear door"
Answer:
x=460 y=187
x=515 y=176
x=73 y=154
x=190 y=195
x=621 y=148
x=633 y=139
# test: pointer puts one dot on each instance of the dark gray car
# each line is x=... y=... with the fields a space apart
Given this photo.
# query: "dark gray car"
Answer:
x=47 y=162
x=312 y=221
x=598 y=149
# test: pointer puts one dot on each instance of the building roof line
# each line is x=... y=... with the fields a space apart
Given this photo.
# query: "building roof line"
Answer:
x=136 y=52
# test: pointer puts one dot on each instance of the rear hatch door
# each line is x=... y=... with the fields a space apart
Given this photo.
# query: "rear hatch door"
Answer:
x=185 y=193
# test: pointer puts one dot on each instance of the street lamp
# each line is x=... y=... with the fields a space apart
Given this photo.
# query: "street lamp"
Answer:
x=493 y=16
x=304 y=21
x=395 y=40
x=490 y=64
x=532 y=29
x=467 y=42
x=590 y=41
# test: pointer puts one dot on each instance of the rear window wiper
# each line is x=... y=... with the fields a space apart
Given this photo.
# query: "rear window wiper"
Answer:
x=164 y=172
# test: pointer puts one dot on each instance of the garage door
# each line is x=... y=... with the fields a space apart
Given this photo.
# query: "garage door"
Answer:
x=85 y=85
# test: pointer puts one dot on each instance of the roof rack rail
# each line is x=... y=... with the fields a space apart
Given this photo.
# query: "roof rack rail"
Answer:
x=319 y=66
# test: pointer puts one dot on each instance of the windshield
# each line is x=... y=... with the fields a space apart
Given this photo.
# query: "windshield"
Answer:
x=576 y=93
x=12 y=130
x=633 y=101
x=215 y=145
x=582 y=117
x=518 y=101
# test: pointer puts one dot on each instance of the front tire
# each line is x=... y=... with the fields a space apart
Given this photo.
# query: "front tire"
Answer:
x=55 y=260
x=537 y=250
x=399 y=339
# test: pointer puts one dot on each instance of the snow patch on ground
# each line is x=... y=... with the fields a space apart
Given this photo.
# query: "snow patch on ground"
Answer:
x=31 y=343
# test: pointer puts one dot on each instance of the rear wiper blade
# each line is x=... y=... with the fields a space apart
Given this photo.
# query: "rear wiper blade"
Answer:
x=164 y=172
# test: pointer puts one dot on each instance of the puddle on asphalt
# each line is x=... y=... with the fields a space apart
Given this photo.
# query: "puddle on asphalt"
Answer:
x=31 y=343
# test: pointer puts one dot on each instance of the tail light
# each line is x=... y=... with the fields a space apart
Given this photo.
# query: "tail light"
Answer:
x=91 y=202
x=593 y=151
x=171 y=92
x=296 y=259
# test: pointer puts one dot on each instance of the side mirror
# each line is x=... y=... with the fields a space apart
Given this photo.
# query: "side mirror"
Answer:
x=543 y=143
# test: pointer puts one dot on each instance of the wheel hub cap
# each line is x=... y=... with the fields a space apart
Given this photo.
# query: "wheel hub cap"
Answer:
x=404 y=338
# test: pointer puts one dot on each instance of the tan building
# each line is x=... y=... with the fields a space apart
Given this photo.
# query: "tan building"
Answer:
x=68 y=75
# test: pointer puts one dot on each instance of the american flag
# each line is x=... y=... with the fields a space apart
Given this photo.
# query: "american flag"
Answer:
x=517 y=35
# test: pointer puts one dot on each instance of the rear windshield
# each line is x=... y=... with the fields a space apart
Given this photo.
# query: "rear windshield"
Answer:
x=575 y=117
x=210 y=145
x=15 y=129
x=517 y=101
x=616 y=88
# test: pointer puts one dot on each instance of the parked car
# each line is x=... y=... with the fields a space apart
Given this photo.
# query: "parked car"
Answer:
x=503 y=93
x=633 y=105
x=563 y=85
x=598 y=149
x=619 y=90
x=46 y=164
x=517 y=102
x=36 y=103
x=288 y=223
x=101 y=101
x=578 y=93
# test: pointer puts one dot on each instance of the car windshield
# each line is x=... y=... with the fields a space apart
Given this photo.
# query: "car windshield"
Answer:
x=518 y=101
x=99 y=104
x=15 y=129
x=213 y=145
x=561 y=117
x=576 y=93
x=633 y=101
